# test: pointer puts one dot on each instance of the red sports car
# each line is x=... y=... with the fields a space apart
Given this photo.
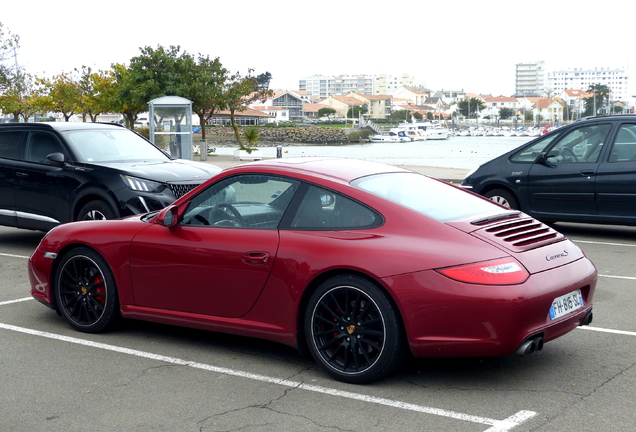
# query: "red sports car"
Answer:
x=354 y=260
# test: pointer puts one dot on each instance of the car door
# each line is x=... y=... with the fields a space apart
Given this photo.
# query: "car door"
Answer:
x=10 y=142
x=563 y=180
x=217 y=260
x=616 y=178
x=43 y=191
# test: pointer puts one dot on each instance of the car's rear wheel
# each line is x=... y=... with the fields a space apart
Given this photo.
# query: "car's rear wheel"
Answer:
x=504 y=198
x=85 y=291
x=96 y=210
x=353 y=330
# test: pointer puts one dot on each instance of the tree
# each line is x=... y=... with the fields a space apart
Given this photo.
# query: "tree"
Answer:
x=598 y=100
x=8 y=45
x=405 y=115
x=17 y=98
x=94 y=88
x=263 y=80
x=239 y=92
x=122 y=97
x=203 y=82
x=506 y=113
x=326 y=112
x=63 y=94
x=470 y=107
x=356 y=112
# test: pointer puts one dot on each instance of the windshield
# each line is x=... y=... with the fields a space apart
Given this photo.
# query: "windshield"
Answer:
x=113 y=145
x=427 y=196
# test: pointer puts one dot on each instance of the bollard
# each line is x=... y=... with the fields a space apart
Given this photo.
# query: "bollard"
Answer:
x=279 y=152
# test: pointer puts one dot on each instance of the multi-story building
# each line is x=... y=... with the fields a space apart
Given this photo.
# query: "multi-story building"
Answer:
x=530 y=78
x=617 y=80
x=324 y=86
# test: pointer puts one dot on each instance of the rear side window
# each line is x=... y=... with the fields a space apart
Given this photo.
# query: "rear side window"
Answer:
x=10 y=144
x=430 y=197
x=624 y=149
x=322 y=209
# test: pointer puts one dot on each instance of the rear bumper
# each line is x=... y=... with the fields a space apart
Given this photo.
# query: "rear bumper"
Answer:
x=445 y=318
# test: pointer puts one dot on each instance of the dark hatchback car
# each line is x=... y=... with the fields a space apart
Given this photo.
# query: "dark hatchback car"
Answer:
x=583 y=172
x=52 y=173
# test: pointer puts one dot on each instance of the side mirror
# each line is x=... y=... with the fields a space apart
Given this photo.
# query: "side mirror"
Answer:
x=56 y=159
x=169 y=216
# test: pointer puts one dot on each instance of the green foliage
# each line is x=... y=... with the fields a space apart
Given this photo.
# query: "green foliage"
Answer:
x=470 y=108
x=356 y=112
x=506 y=113
x=405 y=115
x=599 y=99
x=251 y=135
x=326 y=112
x=362 y=134
x=8 y=43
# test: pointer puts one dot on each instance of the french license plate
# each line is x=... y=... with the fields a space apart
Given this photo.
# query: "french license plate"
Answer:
x=565 y=304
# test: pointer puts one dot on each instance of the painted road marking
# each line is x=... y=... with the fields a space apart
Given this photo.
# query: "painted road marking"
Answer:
x=495 y=425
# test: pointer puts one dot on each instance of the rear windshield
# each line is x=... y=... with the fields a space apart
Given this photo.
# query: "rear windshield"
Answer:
x=427 y=196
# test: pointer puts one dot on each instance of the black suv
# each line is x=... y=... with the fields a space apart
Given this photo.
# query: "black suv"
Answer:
x=583 y=172
x=52 y=173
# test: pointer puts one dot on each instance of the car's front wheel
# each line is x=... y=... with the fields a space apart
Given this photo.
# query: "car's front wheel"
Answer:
x=85 y=291
x=504 y=198
x=353 y=330
x=96 y=210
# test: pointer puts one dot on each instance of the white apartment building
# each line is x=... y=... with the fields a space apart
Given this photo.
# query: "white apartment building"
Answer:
x=324 y=86
x=617 y=80
x=530 y=78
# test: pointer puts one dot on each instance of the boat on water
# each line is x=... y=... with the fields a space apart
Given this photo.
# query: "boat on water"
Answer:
x=391 y=136
x=430 y=131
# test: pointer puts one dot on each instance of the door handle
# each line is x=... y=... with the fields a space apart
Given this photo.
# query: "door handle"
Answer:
x=587 y=172
x=256 y=258
x=21 y=174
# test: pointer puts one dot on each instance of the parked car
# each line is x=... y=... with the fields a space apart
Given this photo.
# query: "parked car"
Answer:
x=355 y=261
x=583 y=172
x=53 y=173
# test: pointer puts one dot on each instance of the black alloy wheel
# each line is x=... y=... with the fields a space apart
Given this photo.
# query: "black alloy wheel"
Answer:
x=353 y=330
x=85 y=291
x=96 y=210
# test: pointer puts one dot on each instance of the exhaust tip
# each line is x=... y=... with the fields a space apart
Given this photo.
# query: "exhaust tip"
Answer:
x=530 y=345
x=588 y=319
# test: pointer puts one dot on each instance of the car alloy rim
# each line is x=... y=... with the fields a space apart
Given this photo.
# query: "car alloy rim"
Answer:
x=94 y=215
x=501 y=201
x=348 y=330
x=82 y=290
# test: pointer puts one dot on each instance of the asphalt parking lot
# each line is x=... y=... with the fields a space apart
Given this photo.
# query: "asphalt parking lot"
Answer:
x=148 y=377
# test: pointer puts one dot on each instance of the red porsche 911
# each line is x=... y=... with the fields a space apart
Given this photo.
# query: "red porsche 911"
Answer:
x=359 y=262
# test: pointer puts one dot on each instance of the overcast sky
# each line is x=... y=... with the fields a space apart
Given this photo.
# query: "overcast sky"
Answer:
x=468 y=45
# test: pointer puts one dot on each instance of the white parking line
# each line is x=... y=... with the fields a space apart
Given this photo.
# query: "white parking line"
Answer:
x=603 y=243
x=14 y=256
x=618 y=277
x=598 y=329
x=15 y=301
x=495 y=425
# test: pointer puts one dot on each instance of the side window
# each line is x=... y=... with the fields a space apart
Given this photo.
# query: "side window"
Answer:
x=322 y=209
x=10 y=144
x=530 y=154
x=582 y=144
x=243 y=201
x=624 y=149
x=40 y=145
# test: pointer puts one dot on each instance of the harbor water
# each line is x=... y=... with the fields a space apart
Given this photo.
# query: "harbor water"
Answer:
x=455 y=152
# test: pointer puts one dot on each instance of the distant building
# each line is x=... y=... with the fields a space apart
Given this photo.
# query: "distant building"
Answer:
x=324 y=86
x=617 y=80
x=530 y=79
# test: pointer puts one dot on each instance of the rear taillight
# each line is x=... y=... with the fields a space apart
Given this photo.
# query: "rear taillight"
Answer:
x=503 y=271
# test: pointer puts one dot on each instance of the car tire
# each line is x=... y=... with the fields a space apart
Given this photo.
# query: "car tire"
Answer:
x=353 y=330
x=85 y=291
x=504 y=198
x=96 y=210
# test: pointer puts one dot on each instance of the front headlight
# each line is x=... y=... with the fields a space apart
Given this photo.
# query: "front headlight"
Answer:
x=142 y=185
